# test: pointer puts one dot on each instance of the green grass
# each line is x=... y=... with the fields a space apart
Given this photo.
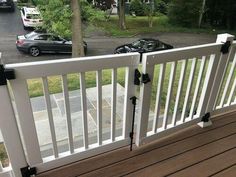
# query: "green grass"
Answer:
x=35 y=86
x=3 y=155
x=139 y=25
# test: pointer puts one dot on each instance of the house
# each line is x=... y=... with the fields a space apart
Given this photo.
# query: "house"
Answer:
x=168 y=94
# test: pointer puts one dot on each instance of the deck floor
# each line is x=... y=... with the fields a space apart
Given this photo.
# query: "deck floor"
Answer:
x=193 y=152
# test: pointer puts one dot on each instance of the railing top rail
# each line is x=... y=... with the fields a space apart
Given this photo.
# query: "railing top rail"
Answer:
x=73 y=65
x=181 y=53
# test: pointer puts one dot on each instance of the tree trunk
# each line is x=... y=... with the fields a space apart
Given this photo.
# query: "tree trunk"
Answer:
x=122 y=14
x=201 y=13
x=77 y=36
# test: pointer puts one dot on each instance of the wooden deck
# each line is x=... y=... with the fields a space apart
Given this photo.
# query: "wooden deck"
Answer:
x=193 y=152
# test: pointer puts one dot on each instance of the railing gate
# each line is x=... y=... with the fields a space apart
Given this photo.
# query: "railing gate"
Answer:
x=183 y=88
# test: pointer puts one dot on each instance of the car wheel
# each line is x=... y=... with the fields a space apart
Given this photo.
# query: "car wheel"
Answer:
x=25 y=28
x=12 y=9
x=34 y=51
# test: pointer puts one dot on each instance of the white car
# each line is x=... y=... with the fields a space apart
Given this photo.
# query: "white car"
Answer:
x=31 y=17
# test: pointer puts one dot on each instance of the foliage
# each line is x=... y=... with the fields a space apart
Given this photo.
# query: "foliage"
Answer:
x=220 y=13
x=184 y=12
x=161 y=6
x=137 y=7
x=91 y=14
x=57 y=15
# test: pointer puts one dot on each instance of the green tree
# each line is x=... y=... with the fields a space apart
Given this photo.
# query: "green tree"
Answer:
x=57 y=17
x=221 y=13
x=161 y=6
x=137 y=7
x=184 y=12
x=64 y=18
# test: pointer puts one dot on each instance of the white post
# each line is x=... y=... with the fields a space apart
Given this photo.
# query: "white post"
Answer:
x=217 y=74
x=10 y=133
x=144 y=103
x=1 y=168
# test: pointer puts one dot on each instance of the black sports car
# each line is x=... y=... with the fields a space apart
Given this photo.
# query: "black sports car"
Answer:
x=37 y=42
x=143 y=45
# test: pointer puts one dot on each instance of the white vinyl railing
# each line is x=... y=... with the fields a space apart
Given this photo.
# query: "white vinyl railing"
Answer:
x=194 y=73
x=185 y=84
x=5 y=167
x=226 y=95
x=43 y=70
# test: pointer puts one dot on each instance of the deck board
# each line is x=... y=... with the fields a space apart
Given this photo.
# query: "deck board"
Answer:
x=210 y=166
x=173 y=154
x=229 y=172
x=177 y=165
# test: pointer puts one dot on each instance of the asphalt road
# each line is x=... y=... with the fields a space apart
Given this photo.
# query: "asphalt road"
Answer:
x=11 y=25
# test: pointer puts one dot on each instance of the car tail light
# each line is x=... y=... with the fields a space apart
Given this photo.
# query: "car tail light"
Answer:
x=19 y=42
x=26 y=20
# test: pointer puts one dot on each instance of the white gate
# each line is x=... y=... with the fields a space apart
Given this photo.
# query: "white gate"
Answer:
x=26 y=119
x=184 y=84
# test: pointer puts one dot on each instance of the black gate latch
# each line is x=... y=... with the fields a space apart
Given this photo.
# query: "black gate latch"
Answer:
x=6 y=74
x=131 y=134
x=28 y=171
x=137 y=75
x=225 y=47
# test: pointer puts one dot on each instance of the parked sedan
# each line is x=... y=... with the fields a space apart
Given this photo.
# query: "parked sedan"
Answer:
x=36 y=43
x=143 y=45
x=7 y=4
x=31 y=17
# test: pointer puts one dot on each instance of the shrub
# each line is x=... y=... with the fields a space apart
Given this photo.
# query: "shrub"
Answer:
x=161 y=6
x=137 y=7
x=184 y=12
x=90 y=14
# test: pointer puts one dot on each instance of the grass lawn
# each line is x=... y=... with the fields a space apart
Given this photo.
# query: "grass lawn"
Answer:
x=36 y=89
x=139 y=25
x=3 y=155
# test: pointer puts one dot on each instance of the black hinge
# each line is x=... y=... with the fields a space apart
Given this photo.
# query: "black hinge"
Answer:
x=145 y=78
x=6 y=74
x=28 y=171
x=206 y=117
x=225 y=47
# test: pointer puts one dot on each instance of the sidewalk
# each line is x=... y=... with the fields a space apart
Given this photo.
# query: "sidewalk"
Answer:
x=59 y=114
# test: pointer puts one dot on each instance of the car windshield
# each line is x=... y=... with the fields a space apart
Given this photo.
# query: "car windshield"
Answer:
x=138 y=43
x=33 y=16
x=30 y=35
